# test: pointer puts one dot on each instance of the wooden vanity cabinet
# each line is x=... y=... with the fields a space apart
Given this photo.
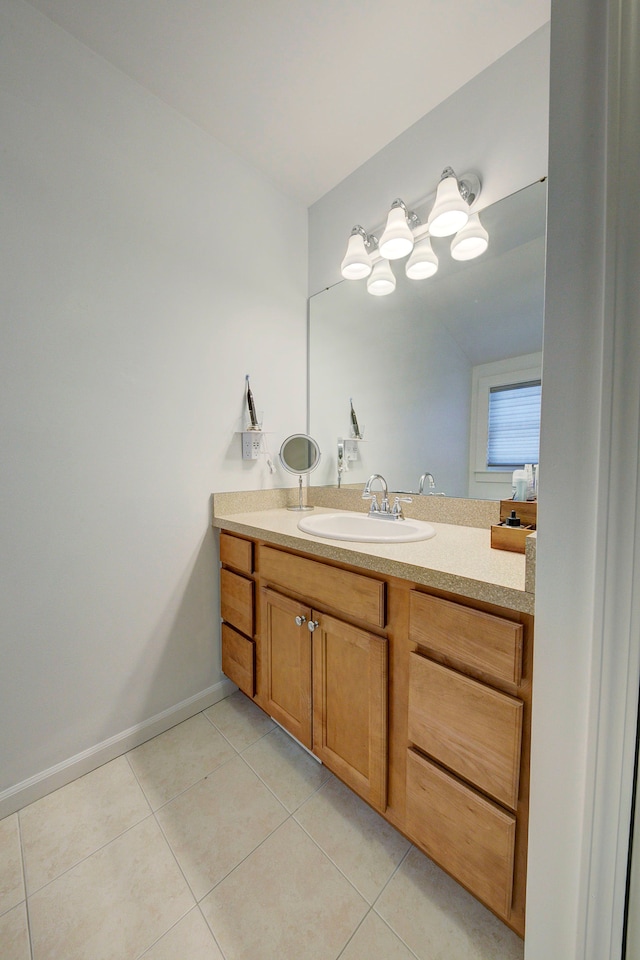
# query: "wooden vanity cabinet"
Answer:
x=323 y=678
x=419 y=702
x=237 y=609
x=468 y=755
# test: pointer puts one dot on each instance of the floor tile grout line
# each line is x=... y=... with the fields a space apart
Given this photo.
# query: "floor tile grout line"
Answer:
x=393 y=872
x=344 y=947
x=89 y=855
x=395 y=933
x=178 y=864
x=212 y=931
x=190 y=786
x=407 y=852
x=24 y=882
x=339 y=869
x=140 y=956
x=246 y=857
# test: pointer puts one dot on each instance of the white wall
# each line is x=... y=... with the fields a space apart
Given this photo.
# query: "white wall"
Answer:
x=129 y=320
x=496 y=125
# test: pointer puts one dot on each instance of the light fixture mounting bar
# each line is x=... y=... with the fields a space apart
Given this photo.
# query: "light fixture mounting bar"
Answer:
x=369 y=239
x=412 y=218
x=469 y=186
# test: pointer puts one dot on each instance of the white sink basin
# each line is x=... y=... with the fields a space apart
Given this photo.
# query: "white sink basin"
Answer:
x=364 y=529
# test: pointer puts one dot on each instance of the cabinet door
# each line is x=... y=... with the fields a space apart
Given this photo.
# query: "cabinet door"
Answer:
x=286 y=659
x=350 y=706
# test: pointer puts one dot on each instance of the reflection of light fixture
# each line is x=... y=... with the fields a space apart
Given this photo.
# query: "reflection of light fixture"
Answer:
x=357 y=262
x=423 y=262
x=382 y=281
x=453 y=198
x=471 y=241
x=409 y=234
x=397 y=239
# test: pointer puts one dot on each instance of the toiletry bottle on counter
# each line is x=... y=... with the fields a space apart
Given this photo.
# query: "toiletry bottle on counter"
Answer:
x=519 y=484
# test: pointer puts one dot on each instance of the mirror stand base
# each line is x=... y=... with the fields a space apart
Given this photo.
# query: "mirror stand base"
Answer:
x=300 y=505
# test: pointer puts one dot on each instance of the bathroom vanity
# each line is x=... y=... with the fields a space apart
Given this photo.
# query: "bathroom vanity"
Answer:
x=406 y=669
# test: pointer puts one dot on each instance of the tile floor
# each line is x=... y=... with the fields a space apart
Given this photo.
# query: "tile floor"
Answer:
x=222 y=839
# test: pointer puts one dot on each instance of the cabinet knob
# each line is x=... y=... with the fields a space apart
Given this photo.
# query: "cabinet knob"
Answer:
x=301 y=620
x=312 y=625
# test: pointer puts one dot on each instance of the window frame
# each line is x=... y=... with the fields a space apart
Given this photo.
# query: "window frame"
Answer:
x=500 y=373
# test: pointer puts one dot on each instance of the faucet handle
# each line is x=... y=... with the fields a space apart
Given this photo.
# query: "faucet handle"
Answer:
x=374 y=508
x=396 y=509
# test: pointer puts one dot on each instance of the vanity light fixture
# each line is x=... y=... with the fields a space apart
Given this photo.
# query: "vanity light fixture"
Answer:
x=450 y=212
x=357 y=263
x=382 y=281
x=471 y=241
x=397 y=239
x=423 y=262
x=443 y=213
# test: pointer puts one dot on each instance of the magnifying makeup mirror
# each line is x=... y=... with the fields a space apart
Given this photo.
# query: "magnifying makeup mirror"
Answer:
x=299 y=454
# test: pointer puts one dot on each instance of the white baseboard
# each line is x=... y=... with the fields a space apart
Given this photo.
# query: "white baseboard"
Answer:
x=18 y=796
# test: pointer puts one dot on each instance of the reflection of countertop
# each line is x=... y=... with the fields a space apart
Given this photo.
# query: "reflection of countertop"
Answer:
x=459 y=559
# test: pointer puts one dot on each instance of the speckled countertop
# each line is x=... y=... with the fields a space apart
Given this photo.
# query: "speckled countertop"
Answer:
x=459 y=559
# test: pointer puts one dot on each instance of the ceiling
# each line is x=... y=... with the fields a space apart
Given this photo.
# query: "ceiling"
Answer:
x=304 y=90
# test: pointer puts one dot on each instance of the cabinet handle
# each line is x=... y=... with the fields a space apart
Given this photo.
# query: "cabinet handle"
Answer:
x=312 y=625
x=301 y=620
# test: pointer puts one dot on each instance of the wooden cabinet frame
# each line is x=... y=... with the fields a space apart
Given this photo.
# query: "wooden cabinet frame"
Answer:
x=344 y=691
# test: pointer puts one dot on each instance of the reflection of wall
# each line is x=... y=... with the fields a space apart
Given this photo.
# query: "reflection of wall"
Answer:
x=496 y=124
x=410 y=383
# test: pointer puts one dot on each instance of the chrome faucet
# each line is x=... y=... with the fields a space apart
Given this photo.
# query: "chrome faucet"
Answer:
x=383 y=512
x=367 y=495
x=421 y=482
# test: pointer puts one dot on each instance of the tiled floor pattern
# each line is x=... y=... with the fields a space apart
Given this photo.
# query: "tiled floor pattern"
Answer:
x=222 y=839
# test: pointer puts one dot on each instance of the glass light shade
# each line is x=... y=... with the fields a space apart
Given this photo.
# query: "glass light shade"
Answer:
x=382 y=281
x=397 y=239
x=450 y=212
x=423 y=262
x=471 y=241
x=357 y=261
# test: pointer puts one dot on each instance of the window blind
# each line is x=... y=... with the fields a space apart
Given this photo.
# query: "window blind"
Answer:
x=514 y=425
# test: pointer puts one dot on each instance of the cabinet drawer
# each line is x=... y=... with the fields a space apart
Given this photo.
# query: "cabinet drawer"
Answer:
x=469 y=836
x=238 y=659
x=468 y=727
x=354 y=595
x=482 y=641
x=236 y=553
x=236 y=601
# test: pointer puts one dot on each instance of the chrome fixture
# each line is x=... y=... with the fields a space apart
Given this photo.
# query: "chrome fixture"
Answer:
x=342 y=462
x=408 y=233
x=357 y=263
x=383 y=512
x=426 y=476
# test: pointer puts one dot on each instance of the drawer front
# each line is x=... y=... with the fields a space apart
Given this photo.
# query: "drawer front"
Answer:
x=468 y=727
x=482 y=641
x=239 y=659
x=236 y=553
x=236 y=601
x=354 y=595
x=469 y=836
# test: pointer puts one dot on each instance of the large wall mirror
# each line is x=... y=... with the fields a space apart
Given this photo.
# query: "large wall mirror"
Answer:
x=408 y=359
